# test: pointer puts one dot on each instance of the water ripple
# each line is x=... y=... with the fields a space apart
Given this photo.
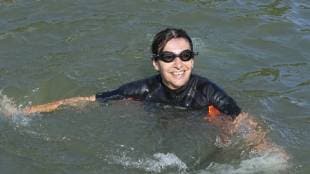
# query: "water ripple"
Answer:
x=264 y=72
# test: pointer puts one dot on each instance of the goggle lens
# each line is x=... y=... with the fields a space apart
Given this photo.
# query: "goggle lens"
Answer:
x=168 y=56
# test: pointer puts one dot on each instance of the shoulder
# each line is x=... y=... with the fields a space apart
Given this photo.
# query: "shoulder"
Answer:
x=137 y=89
x=140 y=86
x=206 y=85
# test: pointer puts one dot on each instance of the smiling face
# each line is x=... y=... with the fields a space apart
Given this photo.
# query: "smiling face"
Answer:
x=175 y=74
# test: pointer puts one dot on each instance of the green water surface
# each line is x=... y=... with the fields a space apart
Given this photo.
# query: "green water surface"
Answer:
x=258 y=51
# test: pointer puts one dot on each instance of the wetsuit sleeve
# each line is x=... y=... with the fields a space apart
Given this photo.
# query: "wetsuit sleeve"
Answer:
x=109 y=95
x=217 y=97
x=136 y=90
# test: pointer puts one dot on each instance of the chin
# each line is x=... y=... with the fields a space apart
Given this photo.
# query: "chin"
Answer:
x=176 y=82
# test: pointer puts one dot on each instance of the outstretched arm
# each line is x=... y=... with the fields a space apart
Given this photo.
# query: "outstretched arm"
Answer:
x=49 y=107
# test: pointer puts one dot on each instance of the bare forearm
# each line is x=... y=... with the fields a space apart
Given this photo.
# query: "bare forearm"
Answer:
x=49 y=107
x=76 y=100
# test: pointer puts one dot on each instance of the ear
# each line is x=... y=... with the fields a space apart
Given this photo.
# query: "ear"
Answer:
x=192 y=63
x=155 y=65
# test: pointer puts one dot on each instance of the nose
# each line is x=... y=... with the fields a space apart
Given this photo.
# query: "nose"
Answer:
x=178 y=63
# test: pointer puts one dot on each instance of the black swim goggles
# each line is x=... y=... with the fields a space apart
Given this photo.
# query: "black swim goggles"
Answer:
x=168 y=56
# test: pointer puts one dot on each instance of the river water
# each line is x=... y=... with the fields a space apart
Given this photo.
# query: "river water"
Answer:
x=258 y=51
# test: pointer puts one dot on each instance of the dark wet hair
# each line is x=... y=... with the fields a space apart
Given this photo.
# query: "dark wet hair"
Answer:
x=160 y=40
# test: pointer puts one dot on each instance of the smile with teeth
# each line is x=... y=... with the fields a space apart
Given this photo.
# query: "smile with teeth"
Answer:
x=178 y=74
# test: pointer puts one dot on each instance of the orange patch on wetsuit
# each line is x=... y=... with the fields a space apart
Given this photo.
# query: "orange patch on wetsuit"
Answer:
x=213 y=112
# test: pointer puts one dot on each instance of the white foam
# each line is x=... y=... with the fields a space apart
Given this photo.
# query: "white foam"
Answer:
x=267 y=163
x=9 y=109
x=157 y=163
x=7 y=106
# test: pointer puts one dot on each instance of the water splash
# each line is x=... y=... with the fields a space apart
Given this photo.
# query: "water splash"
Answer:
x=268 y=162
x=9 y=109
x=158 y=163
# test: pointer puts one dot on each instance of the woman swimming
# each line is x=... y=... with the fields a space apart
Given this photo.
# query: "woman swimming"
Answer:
x=173 y=58
x=176 y=85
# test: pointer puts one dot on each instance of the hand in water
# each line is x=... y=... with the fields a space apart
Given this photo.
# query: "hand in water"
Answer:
x=243 y=126
x=249 y=129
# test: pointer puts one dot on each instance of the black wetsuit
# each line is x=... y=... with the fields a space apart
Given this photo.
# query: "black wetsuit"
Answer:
x=198 y=93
